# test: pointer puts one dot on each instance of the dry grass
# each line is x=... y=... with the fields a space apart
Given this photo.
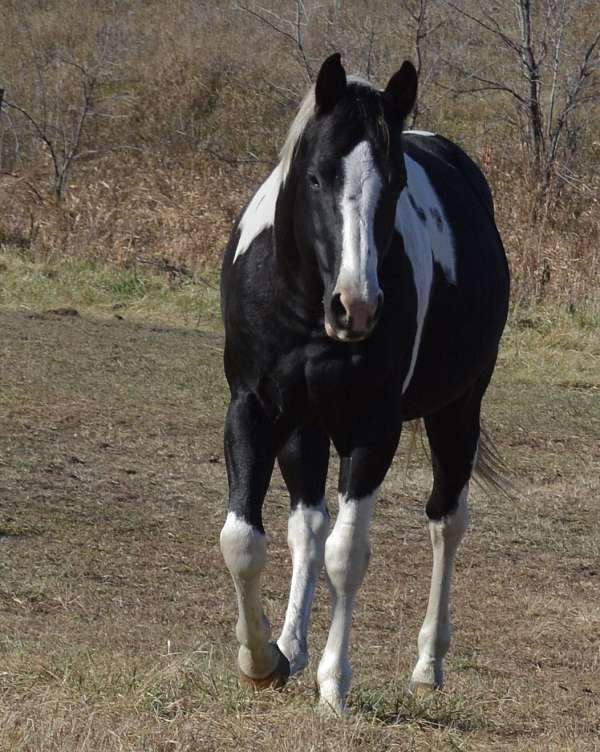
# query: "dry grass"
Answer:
x=116 y=612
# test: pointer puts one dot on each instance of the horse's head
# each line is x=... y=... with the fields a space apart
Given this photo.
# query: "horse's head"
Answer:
x=350 y=171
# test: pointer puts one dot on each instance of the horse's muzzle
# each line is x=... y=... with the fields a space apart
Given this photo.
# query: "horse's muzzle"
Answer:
x=352 y=318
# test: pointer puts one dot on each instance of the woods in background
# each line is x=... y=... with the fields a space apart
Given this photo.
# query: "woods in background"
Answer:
x=133 y=130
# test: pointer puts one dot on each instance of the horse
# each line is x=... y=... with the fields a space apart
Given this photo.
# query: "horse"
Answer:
x=365 y=284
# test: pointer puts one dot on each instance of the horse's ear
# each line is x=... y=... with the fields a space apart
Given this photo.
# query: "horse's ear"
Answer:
x=401 y=91
x=331 y=84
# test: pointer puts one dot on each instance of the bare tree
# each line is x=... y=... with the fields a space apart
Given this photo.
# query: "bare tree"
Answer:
x=422 y=25
x=63 y=142
x=558 y=70
x=63 y=97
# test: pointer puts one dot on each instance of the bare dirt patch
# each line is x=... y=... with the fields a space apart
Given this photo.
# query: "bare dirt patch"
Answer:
x=117 y=616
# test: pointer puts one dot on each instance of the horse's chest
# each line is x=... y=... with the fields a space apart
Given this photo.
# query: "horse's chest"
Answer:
x=316 y=379
x=345 y=376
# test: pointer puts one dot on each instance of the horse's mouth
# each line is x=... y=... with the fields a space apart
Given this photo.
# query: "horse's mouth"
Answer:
x=345 y=335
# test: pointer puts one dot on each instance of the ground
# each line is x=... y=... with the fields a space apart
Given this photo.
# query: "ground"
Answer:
x=117 y=615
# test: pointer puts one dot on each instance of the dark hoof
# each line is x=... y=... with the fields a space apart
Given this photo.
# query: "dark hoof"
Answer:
x=275 y=680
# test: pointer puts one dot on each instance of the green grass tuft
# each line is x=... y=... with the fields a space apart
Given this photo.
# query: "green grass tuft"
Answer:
x=104 y=290
x=395 y=705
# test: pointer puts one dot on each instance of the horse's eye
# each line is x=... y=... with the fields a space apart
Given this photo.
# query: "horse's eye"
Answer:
x=313 y=181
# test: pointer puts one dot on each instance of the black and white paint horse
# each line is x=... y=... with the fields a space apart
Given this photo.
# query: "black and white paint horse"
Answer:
x=364 y=285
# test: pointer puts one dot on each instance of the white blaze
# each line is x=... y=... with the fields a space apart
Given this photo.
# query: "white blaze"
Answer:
x=362 y=188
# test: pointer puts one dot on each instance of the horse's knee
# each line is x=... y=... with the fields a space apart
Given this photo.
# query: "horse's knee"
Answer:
x=243 y=546
x=346 y=559
x=347 y=549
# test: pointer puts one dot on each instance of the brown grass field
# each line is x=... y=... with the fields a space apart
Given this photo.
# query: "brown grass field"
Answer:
x=116 y=611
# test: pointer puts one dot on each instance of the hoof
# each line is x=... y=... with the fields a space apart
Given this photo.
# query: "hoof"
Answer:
x=422 y=689
x=327 y=710
x=296 y=655
x=275 y=680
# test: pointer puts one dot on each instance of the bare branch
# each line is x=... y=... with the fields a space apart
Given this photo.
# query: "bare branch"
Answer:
x=368 y=71
x=40 y=132
x=62 y=133
x=493 y=28
x=265 y=16
x=555 y=65
x=574 y=98
x=299 y=38
x=71 y=152
x=29 y=184
x=532 y=73
x=489 y=85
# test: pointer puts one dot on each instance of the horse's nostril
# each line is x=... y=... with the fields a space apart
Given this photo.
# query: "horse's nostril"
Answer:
x=338 y=310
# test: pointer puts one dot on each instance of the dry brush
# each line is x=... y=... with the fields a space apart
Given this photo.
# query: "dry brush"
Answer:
x=133 y=131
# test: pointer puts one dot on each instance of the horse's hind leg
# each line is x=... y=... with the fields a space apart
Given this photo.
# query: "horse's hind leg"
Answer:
x=453 y=435
x=303 y=462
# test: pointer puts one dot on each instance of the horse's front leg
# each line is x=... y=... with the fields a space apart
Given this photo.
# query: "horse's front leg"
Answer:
x=347 y=553
x=303 y=462
x=250 y=448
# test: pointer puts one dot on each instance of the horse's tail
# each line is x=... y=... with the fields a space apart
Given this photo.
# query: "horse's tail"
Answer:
x=491 y=473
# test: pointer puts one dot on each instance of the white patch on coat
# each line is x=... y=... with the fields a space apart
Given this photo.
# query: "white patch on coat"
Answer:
x=437 y=233
x=434 y=636
x=307 y=531
x=426 y=240
x=244 y=549
x=260 y=212
x=419 y=133
x=347 y=553
x=362 y=188
x=414 y=236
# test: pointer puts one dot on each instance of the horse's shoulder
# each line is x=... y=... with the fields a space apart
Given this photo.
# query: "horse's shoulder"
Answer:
x=447 y=165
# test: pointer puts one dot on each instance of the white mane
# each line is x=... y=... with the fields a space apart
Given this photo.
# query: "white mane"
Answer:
x=305 y=112
x=299 y=123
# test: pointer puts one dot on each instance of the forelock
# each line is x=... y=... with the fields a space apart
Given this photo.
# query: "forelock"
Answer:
x=368 y=104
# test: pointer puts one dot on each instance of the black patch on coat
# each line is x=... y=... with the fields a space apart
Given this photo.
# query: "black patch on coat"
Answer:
x=437 y=217
x=420 y=212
